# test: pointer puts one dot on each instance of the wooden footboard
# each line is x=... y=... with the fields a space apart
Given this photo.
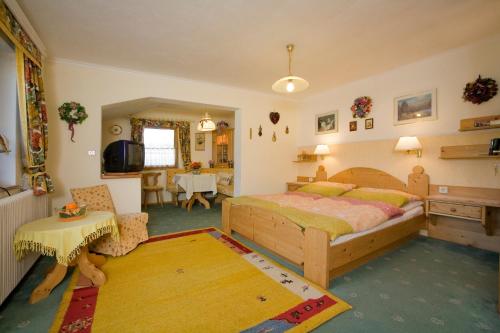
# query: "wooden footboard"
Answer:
x=311 y=248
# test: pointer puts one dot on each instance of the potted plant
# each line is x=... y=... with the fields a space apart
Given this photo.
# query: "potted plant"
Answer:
x=196 y=168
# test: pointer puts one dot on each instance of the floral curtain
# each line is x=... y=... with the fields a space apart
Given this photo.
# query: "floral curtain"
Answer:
x=33 y=116
x=182 y=127
x=32 y=109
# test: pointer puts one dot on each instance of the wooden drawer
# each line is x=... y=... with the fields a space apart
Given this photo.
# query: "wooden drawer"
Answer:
x=455 y=209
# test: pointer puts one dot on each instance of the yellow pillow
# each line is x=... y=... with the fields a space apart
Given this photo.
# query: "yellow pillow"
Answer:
x=391 y=198
x=326 y=191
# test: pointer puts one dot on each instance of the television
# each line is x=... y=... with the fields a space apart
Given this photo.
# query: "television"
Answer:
x=124 y=156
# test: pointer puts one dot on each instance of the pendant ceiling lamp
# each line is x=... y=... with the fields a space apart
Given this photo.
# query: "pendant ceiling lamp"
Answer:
x=206 y=124
x=290 y=84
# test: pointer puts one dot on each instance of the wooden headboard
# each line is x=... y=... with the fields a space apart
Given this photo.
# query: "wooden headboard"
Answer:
x=367 y=177
x=418 y=181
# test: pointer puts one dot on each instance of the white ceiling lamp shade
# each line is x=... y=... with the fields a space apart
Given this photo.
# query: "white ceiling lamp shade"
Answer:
x=408 y=144
x=291 y=83
x=206 y=124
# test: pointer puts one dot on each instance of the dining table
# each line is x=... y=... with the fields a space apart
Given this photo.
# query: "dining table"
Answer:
x=195 y=185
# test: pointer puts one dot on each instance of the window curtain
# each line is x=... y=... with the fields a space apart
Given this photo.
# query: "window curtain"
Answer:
x=32 y=109
x=182 y=127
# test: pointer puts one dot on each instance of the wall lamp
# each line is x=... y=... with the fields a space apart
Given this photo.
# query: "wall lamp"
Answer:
x=322 y=150
x=409 y=144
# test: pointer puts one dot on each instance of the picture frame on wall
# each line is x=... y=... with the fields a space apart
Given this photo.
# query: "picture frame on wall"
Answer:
x=327 y=123
x=199 y=141
x=353 y=126
x=369 y=123
x=416 y=107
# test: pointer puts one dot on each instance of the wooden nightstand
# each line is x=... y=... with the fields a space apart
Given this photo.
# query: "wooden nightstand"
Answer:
x=473 y=209
x=294 y=186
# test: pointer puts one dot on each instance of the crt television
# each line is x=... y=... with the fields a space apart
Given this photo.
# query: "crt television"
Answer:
x=124 y=156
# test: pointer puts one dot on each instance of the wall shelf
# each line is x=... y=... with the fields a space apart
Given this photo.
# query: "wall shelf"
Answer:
x=479 y=123
x=306 y=158
x=467 y=152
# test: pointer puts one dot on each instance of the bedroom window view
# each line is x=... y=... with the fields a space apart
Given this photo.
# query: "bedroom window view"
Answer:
x=159 y=147
x=219 y=169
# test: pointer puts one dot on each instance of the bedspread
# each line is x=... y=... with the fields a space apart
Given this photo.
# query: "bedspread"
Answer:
x=336 y=215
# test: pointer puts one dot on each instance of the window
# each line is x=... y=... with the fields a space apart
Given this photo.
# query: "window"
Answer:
x=159 y=147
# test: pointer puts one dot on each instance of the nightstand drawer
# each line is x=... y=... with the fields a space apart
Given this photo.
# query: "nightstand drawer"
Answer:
x=454 y=209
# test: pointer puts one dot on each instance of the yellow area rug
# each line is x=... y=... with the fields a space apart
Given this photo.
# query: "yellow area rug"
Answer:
x=195 y=281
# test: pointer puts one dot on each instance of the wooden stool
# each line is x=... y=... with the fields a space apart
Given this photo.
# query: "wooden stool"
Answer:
x=153 y=186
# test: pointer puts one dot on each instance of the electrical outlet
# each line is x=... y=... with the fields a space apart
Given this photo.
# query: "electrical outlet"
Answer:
x=443 y=189
x=91 y=152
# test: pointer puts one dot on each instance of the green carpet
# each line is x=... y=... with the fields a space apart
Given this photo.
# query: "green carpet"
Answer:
x=424 y=286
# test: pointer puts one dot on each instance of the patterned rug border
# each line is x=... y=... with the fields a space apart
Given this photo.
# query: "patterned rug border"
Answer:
x=80 y=296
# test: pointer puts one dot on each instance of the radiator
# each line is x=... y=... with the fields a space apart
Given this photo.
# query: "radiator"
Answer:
x=14 y=211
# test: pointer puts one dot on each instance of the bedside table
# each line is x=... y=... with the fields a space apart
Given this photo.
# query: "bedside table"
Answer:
x=294 y=186
x=467 y=208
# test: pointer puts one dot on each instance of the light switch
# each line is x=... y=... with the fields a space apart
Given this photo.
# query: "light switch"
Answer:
x=443 y=189
x=91 y=152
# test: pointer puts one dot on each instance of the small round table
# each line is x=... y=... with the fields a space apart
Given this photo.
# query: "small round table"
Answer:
x=68 y=242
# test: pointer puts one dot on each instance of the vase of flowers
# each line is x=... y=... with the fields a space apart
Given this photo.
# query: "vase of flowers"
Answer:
x=196 y=168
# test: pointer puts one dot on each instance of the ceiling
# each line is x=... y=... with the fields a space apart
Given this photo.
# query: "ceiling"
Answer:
x=242 y=43
x=173 y=108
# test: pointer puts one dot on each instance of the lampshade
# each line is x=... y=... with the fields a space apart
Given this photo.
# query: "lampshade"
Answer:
x=406 y=143
x=291 y=83
x=322 y=150
x=206 y=124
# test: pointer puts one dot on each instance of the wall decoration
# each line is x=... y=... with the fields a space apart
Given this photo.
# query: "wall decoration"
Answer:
x=275 y=117
x=369 y=123
x=353 y=126
x=72 y=113
x=274 y=136
x=416 y=107
x=221 y=126
x=481 y=90
x=260 y=130
x=250 y=133
x=361 y=107
x=116 y=129
x=287 y=130
x=327 y=122
x=199 y=141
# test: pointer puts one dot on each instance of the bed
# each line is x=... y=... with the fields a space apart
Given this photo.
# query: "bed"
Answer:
x=322 y=258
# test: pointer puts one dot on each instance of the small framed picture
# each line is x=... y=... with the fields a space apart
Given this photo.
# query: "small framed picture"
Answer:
x=353 y=126
x=415 y=107
x=369 y=123
x=327 y=122
x=199 y=141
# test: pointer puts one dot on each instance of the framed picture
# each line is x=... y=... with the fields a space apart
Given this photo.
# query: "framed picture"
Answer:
x=353 y=126
x=199 y=141
x=369 y=123
x=415 y=107
x=327 y=122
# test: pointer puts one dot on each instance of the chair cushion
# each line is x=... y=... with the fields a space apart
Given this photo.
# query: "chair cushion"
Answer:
x=172 y=188
x=95 y=197
x=225 y=189
x=224 y=178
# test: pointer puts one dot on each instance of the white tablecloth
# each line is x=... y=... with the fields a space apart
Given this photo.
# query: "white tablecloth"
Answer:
x=196 y=183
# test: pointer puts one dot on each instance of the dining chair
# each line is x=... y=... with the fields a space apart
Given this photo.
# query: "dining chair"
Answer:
x=150 y=184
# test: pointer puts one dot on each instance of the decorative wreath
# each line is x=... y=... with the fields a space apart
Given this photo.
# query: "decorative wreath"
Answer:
x=362 y=107
x=72 y=113
x=480 y=91
x=221 y=126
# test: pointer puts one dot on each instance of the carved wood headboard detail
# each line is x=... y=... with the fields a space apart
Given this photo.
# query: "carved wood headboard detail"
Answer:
x=368 y=177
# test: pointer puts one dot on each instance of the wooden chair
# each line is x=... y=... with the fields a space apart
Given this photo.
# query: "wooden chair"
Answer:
x=173 y=188
x=152 y=186
x=132 y=226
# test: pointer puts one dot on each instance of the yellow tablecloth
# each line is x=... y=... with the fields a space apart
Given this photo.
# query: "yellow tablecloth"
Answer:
x=63 y=240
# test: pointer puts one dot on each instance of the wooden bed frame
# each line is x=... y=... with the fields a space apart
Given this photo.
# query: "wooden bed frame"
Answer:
x=310 y=248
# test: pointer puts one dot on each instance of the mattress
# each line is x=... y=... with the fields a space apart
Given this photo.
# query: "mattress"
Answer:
x=409 y=214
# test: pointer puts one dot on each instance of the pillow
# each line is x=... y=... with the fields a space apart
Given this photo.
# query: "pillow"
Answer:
x=391 y=198
x=411 y=197
x=326 y=191
x=346 y=187
x=224 y=178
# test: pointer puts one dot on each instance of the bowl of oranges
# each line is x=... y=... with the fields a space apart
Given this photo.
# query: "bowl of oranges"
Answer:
x=72 y=212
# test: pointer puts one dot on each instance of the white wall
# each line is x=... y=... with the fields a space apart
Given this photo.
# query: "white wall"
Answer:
x=262 y=166
x=8 y=114
x=448 y=73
